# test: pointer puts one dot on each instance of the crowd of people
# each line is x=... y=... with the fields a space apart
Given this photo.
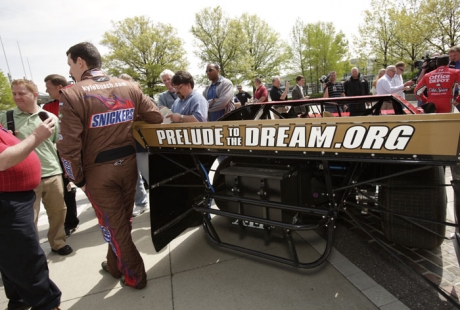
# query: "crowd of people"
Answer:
x=83 y=138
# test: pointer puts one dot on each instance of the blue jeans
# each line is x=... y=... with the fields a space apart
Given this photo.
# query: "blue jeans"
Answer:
x=140 y=199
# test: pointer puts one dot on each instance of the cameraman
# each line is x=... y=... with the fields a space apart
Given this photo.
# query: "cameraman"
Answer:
x=439 y=85
x=332 y=89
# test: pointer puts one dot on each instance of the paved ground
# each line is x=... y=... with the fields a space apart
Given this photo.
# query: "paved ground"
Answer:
x=192 y=274
x=439 y=266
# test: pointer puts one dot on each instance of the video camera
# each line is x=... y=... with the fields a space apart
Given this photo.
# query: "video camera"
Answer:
x=430 y=63
x=325 y=79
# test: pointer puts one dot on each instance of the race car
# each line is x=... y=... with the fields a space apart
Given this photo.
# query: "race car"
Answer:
x=275 y=168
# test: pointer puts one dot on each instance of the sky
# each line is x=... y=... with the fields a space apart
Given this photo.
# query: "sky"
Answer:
x=42 y=31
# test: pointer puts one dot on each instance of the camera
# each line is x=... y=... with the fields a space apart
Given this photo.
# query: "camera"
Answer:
x=430 y=63
x=325 y=79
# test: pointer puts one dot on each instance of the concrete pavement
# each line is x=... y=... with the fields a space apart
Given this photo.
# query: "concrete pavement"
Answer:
x=191 y=273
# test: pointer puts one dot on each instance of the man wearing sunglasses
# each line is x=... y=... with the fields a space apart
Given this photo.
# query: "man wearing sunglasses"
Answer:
x=190 y=106
x=219 y=94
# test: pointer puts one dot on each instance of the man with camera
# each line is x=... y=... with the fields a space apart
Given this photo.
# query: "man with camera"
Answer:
x=439 y=85
x=332 y=89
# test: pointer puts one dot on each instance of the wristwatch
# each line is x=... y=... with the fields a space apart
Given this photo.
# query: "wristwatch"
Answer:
x=182 y=118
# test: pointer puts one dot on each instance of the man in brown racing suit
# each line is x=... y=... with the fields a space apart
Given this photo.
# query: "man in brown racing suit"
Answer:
x=97 y=149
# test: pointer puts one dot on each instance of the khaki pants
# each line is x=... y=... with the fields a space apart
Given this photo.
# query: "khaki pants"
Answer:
x=51 y=191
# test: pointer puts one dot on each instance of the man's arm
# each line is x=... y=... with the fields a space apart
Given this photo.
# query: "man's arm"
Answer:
x=326 y=93
x=264 y=94
x=147 y=110
x=286 y=91
x=296 y=93
x=161 y=101
x=419 y=91
x=70 y=146
x=13 y=155
x=224 y=93
x=345 y=87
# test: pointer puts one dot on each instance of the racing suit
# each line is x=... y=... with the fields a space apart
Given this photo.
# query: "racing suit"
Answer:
x=97 y=149
x=440 y=84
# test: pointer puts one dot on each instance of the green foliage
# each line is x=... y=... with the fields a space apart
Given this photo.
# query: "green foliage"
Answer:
x=441 y=23
x=317 y=49
x=377 y=34
x=6 y=97
x=143 y=50
x=268 y=54
x=244 y=48
x=218 y=40
x=404 y=30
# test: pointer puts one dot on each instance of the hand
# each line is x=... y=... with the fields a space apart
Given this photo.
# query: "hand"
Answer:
x=45 y=129
x=410 y=83
x=175 y=117
x=287 y=84
x=306 y=97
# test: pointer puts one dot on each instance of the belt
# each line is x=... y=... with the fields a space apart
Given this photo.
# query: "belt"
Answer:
x=49 y=176
x=116 y=153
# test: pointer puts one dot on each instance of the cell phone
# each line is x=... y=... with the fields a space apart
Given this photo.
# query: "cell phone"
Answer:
x=43 y=115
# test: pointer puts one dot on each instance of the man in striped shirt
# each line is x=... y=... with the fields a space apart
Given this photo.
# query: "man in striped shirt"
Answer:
x=333 y=89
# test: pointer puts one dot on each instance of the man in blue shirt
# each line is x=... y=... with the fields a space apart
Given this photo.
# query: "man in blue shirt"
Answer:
x=219 y=94
x=190 y=106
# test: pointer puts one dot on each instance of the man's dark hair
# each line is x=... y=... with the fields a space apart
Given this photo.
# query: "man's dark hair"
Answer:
x=86 y=51
x=442 y=60
x=56 y=80
x=182 y=77
x=299 y=77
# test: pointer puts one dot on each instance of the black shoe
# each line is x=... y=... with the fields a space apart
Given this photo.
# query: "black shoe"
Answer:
x=23 y=308
x=122 y=281
x=69 y=230
x=65 y=250
x=104 y=266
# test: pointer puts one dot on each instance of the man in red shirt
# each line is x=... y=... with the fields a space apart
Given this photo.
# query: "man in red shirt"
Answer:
x=261 y=94
x=54 y=84
x=23 y=265
x=440 y=85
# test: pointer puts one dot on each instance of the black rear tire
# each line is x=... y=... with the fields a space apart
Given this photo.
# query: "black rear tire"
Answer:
x=417 y=194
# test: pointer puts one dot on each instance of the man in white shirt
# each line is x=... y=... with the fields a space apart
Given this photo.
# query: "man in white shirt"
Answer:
x=398 y=79
x=385 y=84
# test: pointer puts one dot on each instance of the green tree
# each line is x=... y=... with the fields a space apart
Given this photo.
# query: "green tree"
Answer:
x=441 y=20
x=268 y=55
x=318 y=49
x=143 y=50
x=377 y=34
x=6 y=97
x=218 y=40
x=409 y=32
